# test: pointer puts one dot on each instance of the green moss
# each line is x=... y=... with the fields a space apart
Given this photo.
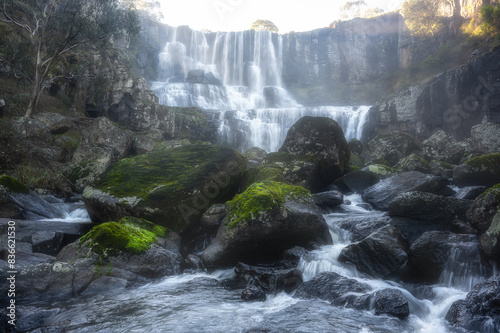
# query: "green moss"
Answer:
x=493 y=193
x=355 y=161
x=485 y=162
x=158 y=230
x=381 y=170
x=13 y=185
x=354 y=168
x=262 y=173
x=444 y=165
x=112 y=238
x=260 y=198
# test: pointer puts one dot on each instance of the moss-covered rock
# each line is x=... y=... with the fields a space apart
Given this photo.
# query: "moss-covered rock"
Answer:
x=484 y=207
x=490 y=240
x=255 y=154
x=262 y=173
x=381 y=170
x=12 y=185
x=356 y=162
x=482 y=170
x=262 y=222
x=413 y=162
x=391 y=147
x=170 y=187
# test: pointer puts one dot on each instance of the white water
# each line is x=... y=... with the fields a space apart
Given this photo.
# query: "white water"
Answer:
x=70 y=213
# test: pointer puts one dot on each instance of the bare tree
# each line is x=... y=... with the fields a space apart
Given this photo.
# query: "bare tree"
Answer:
x=56 y=27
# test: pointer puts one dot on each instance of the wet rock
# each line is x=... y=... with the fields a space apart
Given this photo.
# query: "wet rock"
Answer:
x=263 y=222
x=391 y=147
x=490 y=240
x=330 y=286
x=381 y=194
x=480 y=311
x=461 y=227
x=413 y=162
x=430 y=253
x=484 y=208
x=323 y=138
x=379 y=254
x=288 y=168
x=478 y=171
x=106 y=284
x=291 y=257
x=391 y=302
x=356 y=146
x=442 y=169
x=469 y=192
x=428 y=206
x=357 y=181
x=329 y=199
x=360 y=228
x=255 y=154
x=253 y=293
x=443 y=147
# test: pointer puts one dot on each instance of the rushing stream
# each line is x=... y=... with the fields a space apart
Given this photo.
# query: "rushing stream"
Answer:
x=199 y=302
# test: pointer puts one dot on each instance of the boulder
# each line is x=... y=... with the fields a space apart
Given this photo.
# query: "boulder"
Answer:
x=486 y=138
x=480 y=311
x=361 y=227
x=356 y=146
x=381 y=194
x=391 y=147
x=295 y=170
x=329 y=199
x=490 y=240
x=31 y=128
x=357 y=181
x=381 y=170
x=478 y=171
x=291 y=257
x=170 y=187
x=88 y=164
x=428 y=206
x=146 y=141
x=413 y=162
x=469 y=192
x=484 y=207
x=275 y=172
x=443 y=169
x=255 y=154
x=443 y=147
x=323 y=138
x=379 y=254
x=391 y=302
x=429 y=255
x=264 y=221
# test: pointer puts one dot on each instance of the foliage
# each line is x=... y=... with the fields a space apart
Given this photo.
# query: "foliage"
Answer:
x=357 y=8
x=422 y=16
x=12 y=185
x=52 y=28
x=490 y=15
x=260 y=25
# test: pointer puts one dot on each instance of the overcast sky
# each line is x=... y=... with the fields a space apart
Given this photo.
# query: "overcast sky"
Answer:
x=237 y=15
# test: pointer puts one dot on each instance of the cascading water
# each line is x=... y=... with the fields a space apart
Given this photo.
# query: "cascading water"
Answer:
x=238 y=75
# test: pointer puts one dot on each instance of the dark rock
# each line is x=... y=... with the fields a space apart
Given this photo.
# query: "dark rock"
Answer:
x=478 y=171
x=360 y=228
x=443 y=147
x=330 y=286
x=253 y=293
x=391 y=147
x=413 y=162
x=490 y=240
x=484 y=207
x=428 y=206
x=469 y=192
x=461 y=227
x=391 y=302
x=412 y=229
x=357 y=181
x=198 y=236
x=378 y=255
x=432 y=251
x=442 y=169
x=106 y=284
x=330 y=199
x=213 y=217
x=480 y=311
x=324 y=138
x=146 y=141
x=356 y=146
x=48 y=242
x=263 y=222
x=291 y=257
x=291 y=169
x=255 y=154
x=27 y=258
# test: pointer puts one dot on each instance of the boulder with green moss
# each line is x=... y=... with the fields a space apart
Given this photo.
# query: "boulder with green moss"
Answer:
x=482 y=170
x=443 y=147
x=263 y=222
x=490 y=240
x=323 y=139
x=483 y=209
x=381 y=170
x=262 y=173
x=170 y=187
x=391 y=147
x=413 y=162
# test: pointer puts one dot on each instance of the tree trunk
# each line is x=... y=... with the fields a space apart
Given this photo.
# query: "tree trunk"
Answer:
x=37 y=83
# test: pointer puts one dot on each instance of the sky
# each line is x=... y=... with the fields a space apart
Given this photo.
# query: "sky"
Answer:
x=237 y=15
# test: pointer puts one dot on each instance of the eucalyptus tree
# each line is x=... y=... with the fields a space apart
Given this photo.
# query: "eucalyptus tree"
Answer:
x=51 y=29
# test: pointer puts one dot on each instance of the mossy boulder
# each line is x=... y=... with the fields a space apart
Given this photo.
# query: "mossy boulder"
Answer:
x=355 y=162
x=442 y=146
x=490 y=240
x=262 y=173
x=482 y=170
x=170 y=187
x=391 y=147
x=12 y=185
x=483 y=209
x=255 y=155
x=299 y=170
x=413 y=162
x=263 y=222
x=381 y=170
x=323 y=138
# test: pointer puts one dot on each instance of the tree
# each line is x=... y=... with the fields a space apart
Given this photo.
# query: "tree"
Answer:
x=264 y=25
x=54 y=28
x=357 y=8
x=422 y=16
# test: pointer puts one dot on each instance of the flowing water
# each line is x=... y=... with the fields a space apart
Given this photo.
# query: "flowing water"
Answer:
x=198 y=302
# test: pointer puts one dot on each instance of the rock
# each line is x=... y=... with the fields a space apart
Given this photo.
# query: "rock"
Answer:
x=31 y=128
x=106 y=284
x=295 y=170
x=195 y=76
x=486 y=138
x=443 y=169
x=490 y=240
x=57 y=123
x=380 y=170
x=255 y=154
x=413 y=162
x=391 y=147
x=48 y=242
x=253 y=293
x=381 y=194
x=146 y=141
x=103 y=133
x=356 y=146
x=379 y=254
x=264 y=221
x=291 y=257
x=88 y=164
x=171 y=187
x=323 y=138
x=362 y=227
x=479 y=171
x=391 y=302
x=461 y=227
x=357 y=181
x=428 y=206
x=443 y=147
x=329 y=199
x=469 y=192
x=430 y=253
x=274 y=172
x=18 y=202
x=330 y=286
x=484 y=207
x=479 y=312
x=213 y=217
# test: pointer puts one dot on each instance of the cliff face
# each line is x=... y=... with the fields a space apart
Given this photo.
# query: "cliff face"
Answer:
x=453 y=101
